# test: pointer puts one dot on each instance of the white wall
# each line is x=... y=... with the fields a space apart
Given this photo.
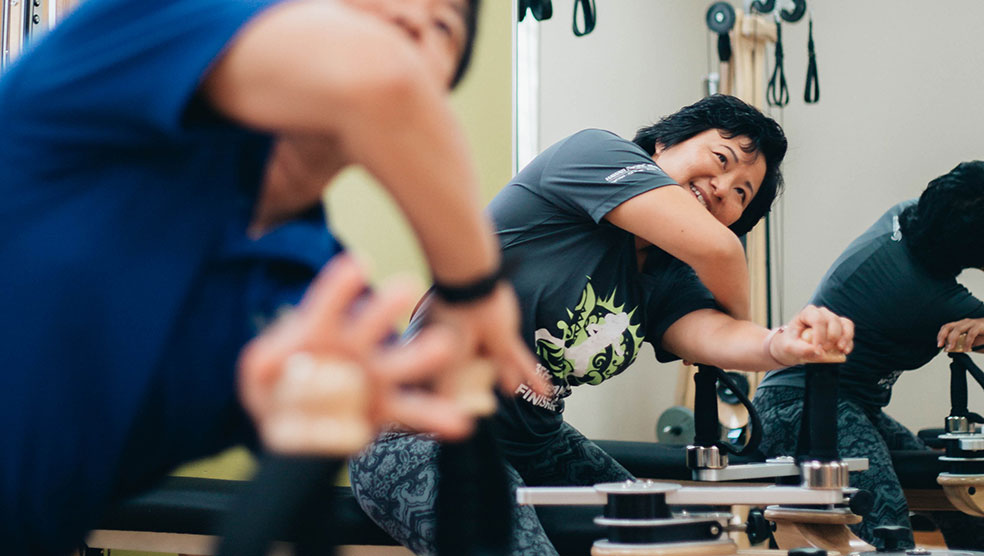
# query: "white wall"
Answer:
x=902 y=84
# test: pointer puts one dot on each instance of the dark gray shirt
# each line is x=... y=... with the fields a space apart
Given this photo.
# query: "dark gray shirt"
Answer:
x=897 y=309
x=586 y=308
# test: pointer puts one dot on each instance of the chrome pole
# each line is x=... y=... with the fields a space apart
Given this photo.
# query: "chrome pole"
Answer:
x=5 y=35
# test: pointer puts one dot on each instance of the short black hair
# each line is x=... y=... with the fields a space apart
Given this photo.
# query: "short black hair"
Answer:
x=940 y=229
x=733 y=118
x=471 y=29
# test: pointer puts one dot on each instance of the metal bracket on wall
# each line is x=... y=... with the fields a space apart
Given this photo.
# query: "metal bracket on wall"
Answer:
x=25 y=21
x=16 y=20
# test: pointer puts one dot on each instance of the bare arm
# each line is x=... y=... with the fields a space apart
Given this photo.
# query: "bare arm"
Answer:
x=669 y=218
x=815 y=335
x=318 y=68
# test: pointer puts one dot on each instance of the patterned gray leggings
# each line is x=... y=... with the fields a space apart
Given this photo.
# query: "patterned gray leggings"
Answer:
x=395 y=482
x=863 y=434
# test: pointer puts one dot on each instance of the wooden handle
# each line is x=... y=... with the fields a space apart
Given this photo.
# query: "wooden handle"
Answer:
x=321 y=407
x=471 y=387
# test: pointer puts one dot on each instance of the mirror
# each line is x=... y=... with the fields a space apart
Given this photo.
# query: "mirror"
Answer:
x=901 y=87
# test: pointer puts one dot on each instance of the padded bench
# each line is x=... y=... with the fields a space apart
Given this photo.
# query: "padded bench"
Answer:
x=182 y=515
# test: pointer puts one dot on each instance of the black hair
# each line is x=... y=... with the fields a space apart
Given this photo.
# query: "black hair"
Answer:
x=940 y=228
x=471 y=29
x=733 y=118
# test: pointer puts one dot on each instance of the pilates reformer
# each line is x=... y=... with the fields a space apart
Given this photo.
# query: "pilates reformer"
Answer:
x=963 y=479
x=639 y=519
x=184 y=514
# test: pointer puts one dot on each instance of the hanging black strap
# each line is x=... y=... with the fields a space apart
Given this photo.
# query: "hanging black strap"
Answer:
x=812 y=93
x=707 y=427
x=541 y=9
x=778 y=94
x=474 y=503
x=960 y=365
x=588 y=15
x=818 y=425
x=724 y=48
x=289 y=498
x=958 y=389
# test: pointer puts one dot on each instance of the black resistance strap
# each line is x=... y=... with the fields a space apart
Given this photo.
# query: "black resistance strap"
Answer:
x=812 y=92
x=474 y=505
x=541 y=9
x=778 y=94
x=724 y=48
x=589 y=16
x=818 y=426
x=960 y=365
x=288 y=499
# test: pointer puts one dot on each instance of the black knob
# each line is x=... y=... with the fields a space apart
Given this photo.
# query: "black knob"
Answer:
x=757 y=528
x=891 y=535
x=807 y=551
x=36 y=19
x=862 y=502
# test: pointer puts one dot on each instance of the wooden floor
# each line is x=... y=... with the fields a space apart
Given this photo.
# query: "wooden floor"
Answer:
x=929 y=539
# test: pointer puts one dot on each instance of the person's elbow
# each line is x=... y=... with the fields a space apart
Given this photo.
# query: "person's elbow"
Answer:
x=386 y=92
x=357 y=72
x=723 y=251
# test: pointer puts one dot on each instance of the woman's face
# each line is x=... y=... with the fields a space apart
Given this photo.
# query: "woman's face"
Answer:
x=720 y=175
x=436 y=27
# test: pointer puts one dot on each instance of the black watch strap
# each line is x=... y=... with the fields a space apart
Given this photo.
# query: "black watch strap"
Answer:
x=466 y=293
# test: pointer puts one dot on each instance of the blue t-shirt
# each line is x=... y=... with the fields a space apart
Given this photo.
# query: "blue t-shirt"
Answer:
x=586 y=306
x=129 y=283
x=897 y=308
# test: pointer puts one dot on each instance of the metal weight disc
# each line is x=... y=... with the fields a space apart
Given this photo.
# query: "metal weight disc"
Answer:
x=764 y=6
x=725 y=393
x=720 y=17
x=676 y=426
x=795 y=14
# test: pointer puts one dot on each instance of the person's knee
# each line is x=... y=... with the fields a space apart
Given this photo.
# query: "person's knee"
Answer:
x=393 y=458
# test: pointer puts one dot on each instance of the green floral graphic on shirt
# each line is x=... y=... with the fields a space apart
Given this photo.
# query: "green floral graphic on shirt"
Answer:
x=597 y=341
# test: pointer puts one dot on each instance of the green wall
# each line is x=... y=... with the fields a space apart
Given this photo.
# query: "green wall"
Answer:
x=360 y=211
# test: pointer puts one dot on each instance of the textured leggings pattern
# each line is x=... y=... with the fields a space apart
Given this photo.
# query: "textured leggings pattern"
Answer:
x=395 y=482
x=863 y=434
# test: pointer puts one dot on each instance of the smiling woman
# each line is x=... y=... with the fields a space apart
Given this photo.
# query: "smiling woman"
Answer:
x=727 y=155
x=608 y=243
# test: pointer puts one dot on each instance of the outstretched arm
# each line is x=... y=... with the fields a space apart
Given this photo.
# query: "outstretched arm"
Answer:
x=815 y=335
x=670 y=218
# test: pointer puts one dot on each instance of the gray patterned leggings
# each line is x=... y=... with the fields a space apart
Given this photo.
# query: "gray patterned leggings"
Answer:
x=395 y=482
x=863 y=434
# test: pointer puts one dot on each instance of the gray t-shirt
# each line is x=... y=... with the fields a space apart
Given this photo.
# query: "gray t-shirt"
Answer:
x=897 y=309
x=586 y=308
